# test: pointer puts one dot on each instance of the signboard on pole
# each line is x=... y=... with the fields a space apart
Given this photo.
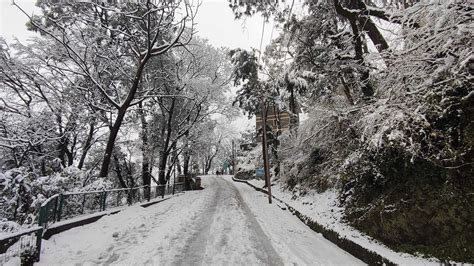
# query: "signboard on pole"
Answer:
x=259 y=172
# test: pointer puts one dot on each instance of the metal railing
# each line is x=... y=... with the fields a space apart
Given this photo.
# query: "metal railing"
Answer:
x=71 y=204
x=27 y=244
x=48 y=211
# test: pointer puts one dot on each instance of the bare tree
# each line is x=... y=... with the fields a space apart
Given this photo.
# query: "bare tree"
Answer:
x=110 y=46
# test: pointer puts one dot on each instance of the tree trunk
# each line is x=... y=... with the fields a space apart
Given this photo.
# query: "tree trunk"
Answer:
x=374 y=33
x=166 y=151
x=177 y=162
x=104 y=169
x=347 y=90
x=178 y=165
x=353 y=18
x=62 y=148
x=70 y=158
x=208 y=166
x=146 y=178
x=294 y=113
x=162 y=168
x=128 y=168
x=186 y=160
x=368 y=26
x=87 y=145
x=122 y=110
x=275 y=144
x=118 y=171
x=174 y=155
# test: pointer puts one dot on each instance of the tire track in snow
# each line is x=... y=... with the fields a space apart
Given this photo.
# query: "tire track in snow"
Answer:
x=194 y=249
x=227 y=232
x=272 y=257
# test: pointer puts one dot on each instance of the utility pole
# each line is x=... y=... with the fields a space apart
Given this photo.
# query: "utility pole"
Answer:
x=264 y=150
x=174 y=178
x=233 y=157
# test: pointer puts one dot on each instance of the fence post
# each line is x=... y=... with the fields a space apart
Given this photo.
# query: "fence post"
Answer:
x=83 y=202
x=129 y=196
x=60 y=209
x=104 y=198
x=41 y=216
x=39 y=238
x=148 y=192
x=119 y=193
x=55 y=209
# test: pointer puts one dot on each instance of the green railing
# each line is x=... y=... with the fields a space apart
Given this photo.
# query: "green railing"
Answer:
x=27 y=244
x=48 y=211
x=71 y=204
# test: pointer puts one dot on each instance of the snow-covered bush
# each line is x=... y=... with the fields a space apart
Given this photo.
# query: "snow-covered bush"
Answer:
x=23 y=191
x=98 y=185
x=248 y=162
x=7 y=226
x=407 y=154
x=17 y=195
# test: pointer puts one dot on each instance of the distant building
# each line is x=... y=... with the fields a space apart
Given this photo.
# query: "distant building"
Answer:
x=277 y=120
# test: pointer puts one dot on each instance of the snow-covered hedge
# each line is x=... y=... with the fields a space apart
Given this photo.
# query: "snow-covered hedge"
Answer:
x=407 y=153
x=24 y=191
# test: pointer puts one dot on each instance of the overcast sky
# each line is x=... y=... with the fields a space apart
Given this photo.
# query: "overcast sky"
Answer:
x=215 y=21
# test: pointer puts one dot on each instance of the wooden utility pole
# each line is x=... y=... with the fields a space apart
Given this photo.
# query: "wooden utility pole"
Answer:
x=233 y=158
x=265 y=154
x=174 y=178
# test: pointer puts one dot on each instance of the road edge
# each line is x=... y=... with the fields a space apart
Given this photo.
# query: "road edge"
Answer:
x=356 y=250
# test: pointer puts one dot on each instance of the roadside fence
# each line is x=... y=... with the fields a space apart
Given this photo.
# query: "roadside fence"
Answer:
x=26 y=244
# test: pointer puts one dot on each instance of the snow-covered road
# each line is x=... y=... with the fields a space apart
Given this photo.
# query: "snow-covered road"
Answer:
x=227 y=223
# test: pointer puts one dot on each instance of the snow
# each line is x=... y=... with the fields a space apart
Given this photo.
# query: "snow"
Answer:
x=296 y=243
x=325 y=210
x=226 y=223
x=134 y=235
x=12 y=262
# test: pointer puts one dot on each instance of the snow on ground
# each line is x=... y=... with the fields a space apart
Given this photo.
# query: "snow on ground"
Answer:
x=323 y=208
x=296 y=243
x=227 y=223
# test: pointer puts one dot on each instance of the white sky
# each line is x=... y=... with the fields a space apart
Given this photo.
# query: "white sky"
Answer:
x=215 y=21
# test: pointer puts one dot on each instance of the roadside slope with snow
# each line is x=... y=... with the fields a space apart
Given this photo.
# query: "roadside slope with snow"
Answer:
x=323 y=208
